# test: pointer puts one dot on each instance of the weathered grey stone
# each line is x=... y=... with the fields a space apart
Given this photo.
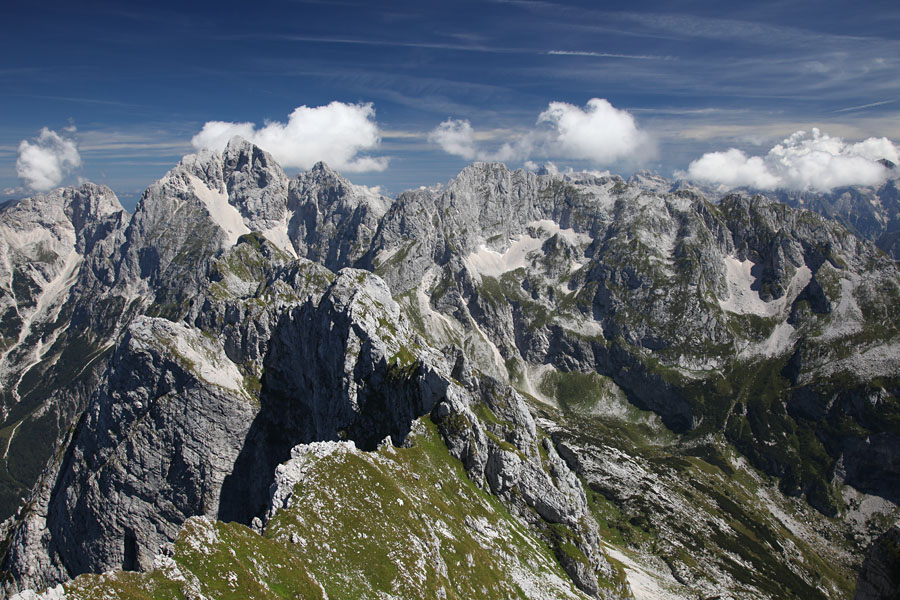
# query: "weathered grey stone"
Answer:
x=879 y=578
x=257 y=346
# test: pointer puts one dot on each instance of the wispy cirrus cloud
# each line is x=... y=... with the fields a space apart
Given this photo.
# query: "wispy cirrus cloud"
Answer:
x=369 y=41
x=608 y=55
x=470 y=43
x=865 y=106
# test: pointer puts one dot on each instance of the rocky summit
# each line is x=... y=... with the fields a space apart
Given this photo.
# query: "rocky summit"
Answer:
x=514 y=385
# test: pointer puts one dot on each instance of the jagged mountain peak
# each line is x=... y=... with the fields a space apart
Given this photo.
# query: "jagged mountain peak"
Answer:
x=90 y=199
x=650 y=181
x=241 y=155
x=322 y=175
x=330 y=187
x=526 y=320
x=484 y=171
x=333 y=220
x=85 y=201
x=239 y=144
x=322 y=167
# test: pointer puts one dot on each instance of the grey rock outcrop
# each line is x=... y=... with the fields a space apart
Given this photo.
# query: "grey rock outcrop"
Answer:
x=228 y=320
x=872 y=213
x=57 y=256
x=48 y=244
x=489 y=428
x=256 y=184
x=153 y=449
x=333 y=220
x=178 y=428
x=879 y=578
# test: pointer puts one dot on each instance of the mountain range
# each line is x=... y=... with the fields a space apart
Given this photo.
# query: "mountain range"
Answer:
x=516 y=384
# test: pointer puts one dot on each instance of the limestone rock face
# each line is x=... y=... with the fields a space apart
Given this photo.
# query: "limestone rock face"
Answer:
x=870 y=212
x=333 y=220
x=879 y=578
x=489 y=428
x=257 y=186
x=170 y=362
x=153 y=449
x=48 y=244
x=57 y=263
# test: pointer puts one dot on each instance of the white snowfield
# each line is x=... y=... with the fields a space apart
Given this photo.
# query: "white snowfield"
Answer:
x=743 y=300
x=485 y=261
x=222 y=212
x=488 y=262
x=278 y=235
x=646 y=583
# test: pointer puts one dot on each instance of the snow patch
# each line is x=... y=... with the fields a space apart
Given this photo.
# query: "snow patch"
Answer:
x=278 y=235
x=222 y=213
x=741 y=299
x=486 y=261
x=745 y=301
x=846 y=318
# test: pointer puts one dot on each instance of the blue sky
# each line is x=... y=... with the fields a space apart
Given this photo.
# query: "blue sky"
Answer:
x=130 y=86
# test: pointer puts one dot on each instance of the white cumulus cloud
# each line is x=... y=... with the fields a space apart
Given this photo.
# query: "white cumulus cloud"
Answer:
x=456 y=136
x=337 y=133
x=599 y=133
x=45 y=161
x=804 y=161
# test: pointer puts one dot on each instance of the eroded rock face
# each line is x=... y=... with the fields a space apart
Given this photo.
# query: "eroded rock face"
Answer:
x=333 y=220
x=870 y=212
x=57 y=318
x=258 y=335
x=49 y=245
x=153 y=449
x=178 y=429
x=489 y=428
x=879 y=578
